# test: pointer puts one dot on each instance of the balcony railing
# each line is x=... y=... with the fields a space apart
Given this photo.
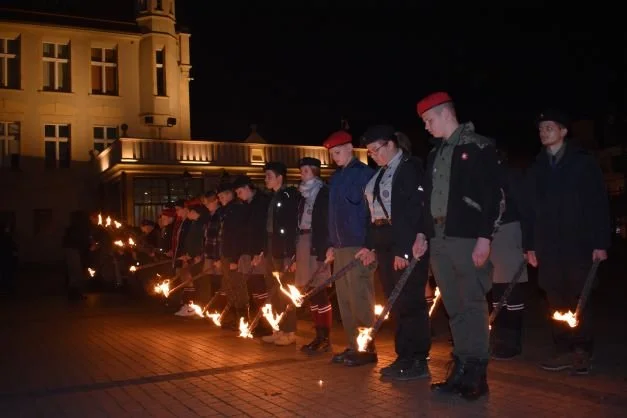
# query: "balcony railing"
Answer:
x=226 y=154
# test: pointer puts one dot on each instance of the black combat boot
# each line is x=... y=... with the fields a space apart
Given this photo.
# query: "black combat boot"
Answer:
x=454 y=376
x=320 y=344
x=475 y=382
x=314 y=344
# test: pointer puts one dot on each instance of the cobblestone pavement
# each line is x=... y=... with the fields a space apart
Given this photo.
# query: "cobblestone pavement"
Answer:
x=113 y=356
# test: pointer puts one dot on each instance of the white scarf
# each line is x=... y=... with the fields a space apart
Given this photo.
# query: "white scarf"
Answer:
x=309 y=190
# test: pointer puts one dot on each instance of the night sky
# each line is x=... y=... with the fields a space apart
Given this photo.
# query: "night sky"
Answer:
x=297 y=72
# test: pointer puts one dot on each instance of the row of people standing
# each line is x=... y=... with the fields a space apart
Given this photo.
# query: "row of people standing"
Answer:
x=461 y=215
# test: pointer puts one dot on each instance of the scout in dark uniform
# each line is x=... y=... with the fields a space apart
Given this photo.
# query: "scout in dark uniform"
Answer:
x=230 y=239
x=281 y=228
x=211 y=243
x=464 y=206
x=569 y=229
x=166 y=222
x=348 y=217
x=311 y=250
x=148 y=242
x=192 y=251
x=396 y=201
x=181 y=226
x=506 y=256
x=254 y=241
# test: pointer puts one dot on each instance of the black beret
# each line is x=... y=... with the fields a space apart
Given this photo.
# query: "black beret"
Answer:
x=276 y=166
x=148 y=222
x=196 y=208
x=241 y=181
x=377 y=132
x=554 y=115
x=223 y=187
x=314 y=162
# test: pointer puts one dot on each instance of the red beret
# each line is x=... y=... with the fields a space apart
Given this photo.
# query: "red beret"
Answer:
x=192 y=202
x=337 y=138
x=432 y=100
x=171 y=212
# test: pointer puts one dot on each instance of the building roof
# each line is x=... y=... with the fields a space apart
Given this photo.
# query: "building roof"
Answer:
x=64 y=20
x=254 y=137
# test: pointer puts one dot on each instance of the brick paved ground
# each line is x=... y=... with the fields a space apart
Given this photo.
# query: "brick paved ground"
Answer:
x=116 y=357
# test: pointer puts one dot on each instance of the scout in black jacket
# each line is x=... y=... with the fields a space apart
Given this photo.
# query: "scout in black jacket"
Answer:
x=396 y=201
x=281 y=229
x=254 y=242
x=231 y=248
x=569 y=230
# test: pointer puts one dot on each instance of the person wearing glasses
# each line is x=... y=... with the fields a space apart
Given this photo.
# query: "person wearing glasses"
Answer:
x=396 y=233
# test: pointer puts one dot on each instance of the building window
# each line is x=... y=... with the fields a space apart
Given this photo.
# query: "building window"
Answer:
x=7 y=220
x=57 y=142
x=104 y=136
x=159 y=5
x=160 y=71
x=10 y=63
x=56 y=67
x=152 y=194
x=42 y=221
x=142 y=5
x=9 y=145
x=104 y=71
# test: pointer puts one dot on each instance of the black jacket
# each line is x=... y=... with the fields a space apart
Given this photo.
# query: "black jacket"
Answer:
x=232 y=230
x=284 y=222
x=569 y=203
x=408 y=206
x=165 y=238
x=475 y=201
x=320 y=224
x=256 y=213
x=194 y=239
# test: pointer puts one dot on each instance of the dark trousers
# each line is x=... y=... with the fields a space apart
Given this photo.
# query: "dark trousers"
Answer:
x=410 y=313
x=563 y=281
x=506 y=333
x=234 y=285
x=189 y=272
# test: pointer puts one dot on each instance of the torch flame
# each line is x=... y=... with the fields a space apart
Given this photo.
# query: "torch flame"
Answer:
x=378 y=310
x=131 y=242
x=99 y=219
x=91 y=272
x=244 y=332
x=291 y=292
x=436 y=297
x=119 y=243
x=132 y=269
x=108 y=221
x=364 y=337
x=117 y=224
x=272 y=319
x=163 y=287
x=215 y=317
x=197 y=309
x=568 y=317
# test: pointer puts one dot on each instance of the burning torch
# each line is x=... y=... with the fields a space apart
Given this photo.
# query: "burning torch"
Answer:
x=573 y=318
x=366 y=335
